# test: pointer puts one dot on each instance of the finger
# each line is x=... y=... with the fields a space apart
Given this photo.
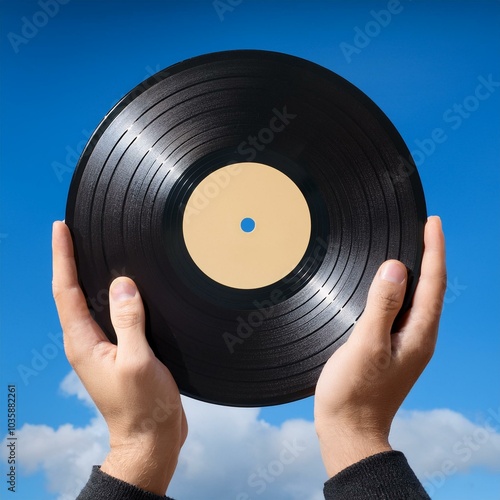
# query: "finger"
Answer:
x=384 y=301
x=428 y=299
x=81 y=333
x=128 y=319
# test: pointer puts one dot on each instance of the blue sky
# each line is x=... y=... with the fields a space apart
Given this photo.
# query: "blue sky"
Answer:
x=423 y=67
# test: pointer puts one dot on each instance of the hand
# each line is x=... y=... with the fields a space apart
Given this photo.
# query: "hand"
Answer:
x=365 y=381
x=133 y=390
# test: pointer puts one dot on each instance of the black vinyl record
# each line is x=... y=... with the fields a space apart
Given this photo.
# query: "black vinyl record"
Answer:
x=251 y=196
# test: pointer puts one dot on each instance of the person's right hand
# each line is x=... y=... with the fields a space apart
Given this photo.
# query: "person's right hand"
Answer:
x=133 y=390
x=365 y=381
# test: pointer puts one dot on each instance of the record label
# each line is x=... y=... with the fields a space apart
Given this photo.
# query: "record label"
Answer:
x=247 y=225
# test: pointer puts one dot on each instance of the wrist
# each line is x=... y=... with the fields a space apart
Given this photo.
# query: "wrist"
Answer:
x=148 y=466
x=342 y=446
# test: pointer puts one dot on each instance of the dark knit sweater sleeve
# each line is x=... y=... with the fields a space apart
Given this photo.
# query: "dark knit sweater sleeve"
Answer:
x=102 y=486
x=384 y=476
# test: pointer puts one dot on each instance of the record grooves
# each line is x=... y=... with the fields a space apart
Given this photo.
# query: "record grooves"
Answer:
x=245 y=317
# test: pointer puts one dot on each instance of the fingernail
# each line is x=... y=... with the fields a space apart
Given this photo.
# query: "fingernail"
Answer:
x=435 y=217
x=394 y=272
x=123 y=290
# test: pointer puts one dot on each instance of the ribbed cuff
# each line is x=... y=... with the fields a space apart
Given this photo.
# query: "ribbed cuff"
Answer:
x=384 y=476
x=102 y=486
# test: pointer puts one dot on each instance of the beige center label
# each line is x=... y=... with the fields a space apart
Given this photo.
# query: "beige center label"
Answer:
x=246 y=225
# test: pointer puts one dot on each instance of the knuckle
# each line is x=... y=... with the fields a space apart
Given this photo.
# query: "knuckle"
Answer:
x=57 y=291
x=436 y=307
x=72 y=356
x=429 y=351
x=424 y=346
x=443 y=277
x=128 y=317
x=134 y=367
x=425 y=351
x=389 y=300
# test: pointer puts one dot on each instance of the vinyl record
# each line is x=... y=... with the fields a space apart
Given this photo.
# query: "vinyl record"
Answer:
x=251 y=196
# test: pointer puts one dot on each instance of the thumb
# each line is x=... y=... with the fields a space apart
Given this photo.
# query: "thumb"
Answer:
x=384 y=301
x=127 y=316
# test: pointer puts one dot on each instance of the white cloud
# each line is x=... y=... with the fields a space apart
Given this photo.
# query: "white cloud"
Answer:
x=65 y=454
x=72 y=386
x=230 y=453
x=441 y=443
x=233 y=454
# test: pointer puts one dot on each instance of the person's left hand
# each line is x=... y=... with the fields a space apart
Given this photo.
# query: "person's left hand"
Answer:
x=366 y=380
x=133 y=390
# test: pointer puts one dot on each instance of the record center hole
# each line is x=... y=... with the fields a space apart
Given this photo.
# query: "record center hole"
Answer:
x=247 y=225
